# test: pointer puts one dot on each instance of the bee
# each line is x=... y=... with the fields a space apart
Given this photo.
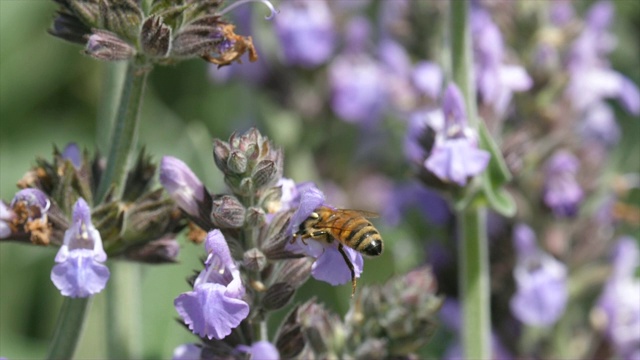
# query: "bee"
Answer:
x=349 y=227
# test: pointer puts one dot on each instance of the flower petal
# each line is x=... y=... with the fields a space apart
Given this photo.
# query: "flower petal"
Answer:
x=310 y=200
x=209 y=313
x=330 y=266
x=80 y=275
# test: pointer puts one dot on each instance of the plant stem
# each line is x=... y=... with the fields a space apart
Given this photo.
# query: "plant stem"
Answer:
x=124 y=132
x=473 y=249
x=123 y=310
x=68 y=328
x=112 y=79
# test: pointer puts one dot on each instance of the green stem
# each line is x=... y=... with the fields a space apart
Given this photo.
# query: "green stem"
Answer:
x=123 y=310
x=112 y=79
x=123 y=135
x=474 y=284
x=473 y=253
x=68 y=328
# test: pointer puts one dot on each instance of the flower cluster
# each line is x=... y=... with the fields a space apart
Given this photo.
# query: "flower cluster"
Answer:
x=57 y=207
x=255 y=264
x=169 y=32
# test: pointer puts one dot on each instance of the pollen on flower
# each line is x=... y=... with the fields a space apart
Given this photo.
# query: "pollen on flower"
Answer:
x=232 y=48
x=40 y=232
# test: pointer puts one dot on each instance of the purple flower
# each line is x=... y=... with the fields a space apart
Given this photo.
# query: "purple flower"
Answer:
x=358 y=91
x=412 y=195
x=306 y=32
x=215 y=305
x=455 y=156
x=72 y=153
x=35 y=200
x=591 y=78
x=599 y=124
x=182 y=184
x=261 y=350
x=79 y=271
x=495 y=80
x=562 y=193
x=6 y=218
x=329 y=265
x=541 y=282
x=619 y=304
x=187 y=352
x=427 y=78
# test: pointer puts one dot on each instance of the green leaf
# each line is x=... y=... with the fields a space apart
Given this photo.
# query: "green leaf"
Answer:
x=496 y=175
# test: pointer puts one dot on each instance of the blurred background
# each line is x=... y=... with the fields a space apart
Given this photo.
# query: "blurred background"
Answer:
x=50 y=94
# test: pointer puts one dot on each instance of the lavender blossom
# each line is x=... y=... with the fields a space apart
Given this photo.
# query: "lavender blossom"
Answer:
x=79 y=271
x=72 y=153
x=182 y=184
x=562 y=193
x=591 y=78
x=329 y=266
x=427 y=78
x=541 y=281
x=619 y=304
x=6 y=218
x=215 y=306
x=599 y=125
x=496 y=81
x=357 y=80
x=455 y=156
x=261 y=350
x=306 y=32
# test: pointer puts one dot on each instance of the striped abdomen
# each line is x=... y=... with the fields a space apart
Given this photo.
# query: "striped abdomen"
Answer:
x=351 y=228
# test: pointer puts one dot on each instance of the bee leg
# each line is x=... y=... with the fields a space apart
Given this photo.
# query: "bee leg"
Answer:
x=350 y=265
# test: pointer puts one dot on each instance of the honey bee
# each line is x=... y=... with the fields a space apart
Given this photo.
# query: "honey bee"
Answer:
x=349 y=227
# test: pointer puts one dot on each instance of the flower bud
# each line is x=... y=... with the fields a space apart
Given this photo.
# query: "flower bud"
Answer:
x=293 y=271
x=107 y=46
x=155 y=252
x=70 y=28
x=290 y=340
x=148 y=218
x=276 y=238
x=182 y=184
x=221 y=152
x=227 y=212
x=237 y=162
x=254 y=260
x=264 y=174
x=256 y=217
x=155 y=37
x=278 y=295
x=122 y=17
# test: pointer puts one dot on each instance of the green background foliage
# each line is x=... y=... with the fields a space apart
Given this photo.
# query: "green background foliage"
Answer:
x=50 y=94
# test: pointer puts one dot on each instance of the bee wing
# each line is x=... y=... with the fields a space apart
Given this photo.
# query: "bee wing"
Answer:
x=367 y=214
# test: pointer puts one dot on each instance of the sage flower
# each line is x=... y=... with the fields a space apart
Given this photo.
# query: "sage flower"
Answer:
x=562 y=193
x=80 y=271
x=541 y=282
x=182 y=184
x=215 y=306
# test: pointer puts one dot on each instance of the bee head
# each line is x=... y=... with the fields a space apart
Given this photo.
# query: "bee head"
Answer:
x=374 y=248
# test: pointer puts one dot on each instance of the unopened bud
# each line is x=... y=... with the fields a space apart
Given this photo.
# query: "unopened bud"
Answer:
x=264 y=174
x=255 y=217
x=237 y=162
x=290 y=340
x=227 y=212
x=155 y=252
x=122 y=17
x=293 y=271
x=104 y=45
x=182 y=184
x=246 y=186
x=278 y=295
x=254 y=260
x=155 y=37
x=221 y=153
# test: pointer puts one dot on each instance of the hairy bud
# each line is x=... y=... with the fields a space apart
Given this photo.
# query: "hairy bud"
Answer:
x=278 y=295
x=155 y=37
x=254 y=260
x=227 y=212
x=107 y=46
x=255 y=217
